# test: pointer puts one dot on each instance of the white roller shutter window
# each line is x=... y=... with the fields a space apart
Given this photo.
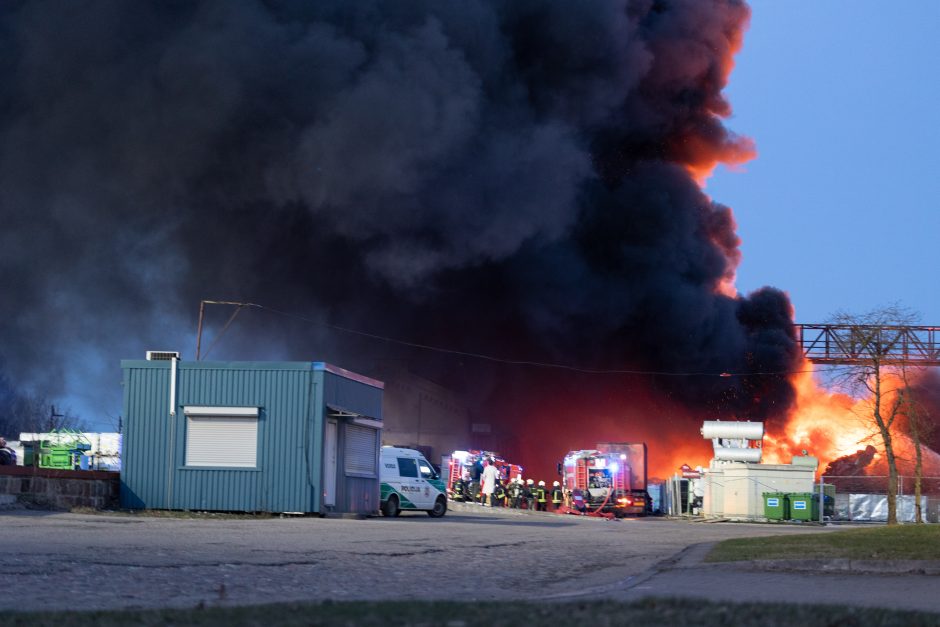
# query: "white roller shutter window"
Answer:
x=229 y=441
x=360 y=452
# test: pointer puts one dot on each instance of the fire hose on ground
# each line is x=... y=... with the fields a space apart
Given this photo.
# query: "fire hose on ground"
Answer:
x=597 y=512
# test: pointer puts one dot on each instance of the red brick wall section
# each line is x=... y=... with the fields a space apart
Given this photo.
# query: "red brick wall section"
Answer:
x=60 y=489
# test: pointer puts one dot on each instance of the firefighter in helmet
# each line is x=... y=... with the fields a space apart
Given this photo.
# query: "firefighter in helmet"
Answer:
x=499 y=494
x=529 y=494
x=541 y=497
x=459 y=490
x=557 y=495
x=515 y=493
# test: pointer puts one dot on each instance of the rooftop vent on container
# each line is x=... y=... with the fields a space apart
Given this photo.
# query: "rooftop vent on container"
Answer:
x=162 y=355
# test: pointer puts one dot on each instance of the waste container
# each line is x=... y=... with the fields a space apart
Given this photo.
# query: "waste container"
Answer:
x=775 y=506
x=804 y=506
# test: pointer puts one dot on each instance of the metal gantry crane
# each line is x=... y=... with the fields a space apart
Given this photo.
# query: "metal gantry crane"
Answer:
x=849 y=344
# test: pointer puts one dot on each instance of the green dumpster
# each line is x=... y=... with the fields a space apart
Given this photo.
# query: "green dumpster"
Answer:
x=804 y=506
x=775 y=506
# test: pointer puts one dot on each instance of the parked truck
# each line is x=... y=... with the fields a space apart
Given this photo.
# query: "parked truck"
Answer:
x=609 y=480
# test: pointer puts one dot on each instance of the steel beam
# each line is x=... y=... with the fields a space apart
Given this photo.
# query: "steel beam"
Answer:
x=847 y=344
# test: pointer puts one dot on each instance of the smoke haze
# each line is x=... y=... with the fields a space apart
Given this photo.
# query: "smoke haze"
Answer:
x=516 y=179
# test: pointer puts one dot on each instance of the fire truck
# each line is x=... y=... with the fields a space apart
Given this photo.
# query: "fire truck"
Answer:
x=607 y=481
x=470 y=464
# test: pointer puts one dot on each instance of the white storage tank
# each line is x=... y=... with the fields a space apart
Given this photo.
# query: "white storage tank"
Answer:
x=727 y=430
x=728 y=454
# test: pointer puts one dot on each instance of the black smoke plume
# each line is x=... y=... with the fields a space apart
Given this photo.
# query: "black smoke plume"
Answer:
x=509 y=178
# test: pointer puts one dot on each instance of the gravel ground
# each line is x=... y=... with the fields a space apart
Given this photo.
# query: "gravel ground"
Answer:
x=101 y=561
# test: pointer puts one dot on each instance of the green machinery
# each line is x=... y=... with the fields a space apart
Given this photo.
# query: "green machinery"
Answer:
x=63 y=449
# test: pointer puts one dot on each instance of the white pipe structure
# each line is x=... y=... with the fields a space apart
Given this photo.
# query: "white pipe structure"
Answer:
x=173 y=386
x=728 y=454
x=712 y=429
x=731 y=440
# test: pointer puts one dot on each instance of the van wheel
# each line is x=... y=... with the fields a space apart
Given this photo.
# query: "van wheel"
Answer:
x=440 y=508
x=391 y=508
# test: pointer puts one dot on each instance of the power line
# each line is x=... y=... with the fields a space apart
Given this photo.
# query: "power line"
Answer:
x=492 y=358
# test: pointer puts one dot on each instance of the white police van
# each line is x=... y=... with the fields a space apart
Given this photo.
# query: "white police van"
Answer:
x=409 y=482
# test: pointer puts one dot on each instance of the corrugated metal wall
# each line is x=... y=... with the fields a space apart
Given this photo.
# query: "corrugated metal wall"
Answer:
x=146 y=432
x=290 y=434
x=354 y=493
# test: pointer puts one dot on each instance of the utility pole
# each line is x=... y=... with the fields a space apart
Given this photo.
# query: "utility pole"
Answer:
x=52 y=417
x=202 y=313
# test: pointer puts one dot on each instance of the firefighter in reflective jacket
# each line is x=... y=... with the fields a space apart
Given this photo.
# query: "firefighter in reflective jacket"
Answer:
x=541 y=495
x=529 y=494
x=459 y=490
x=515 y=493
x=499 y=494
x=556 y=495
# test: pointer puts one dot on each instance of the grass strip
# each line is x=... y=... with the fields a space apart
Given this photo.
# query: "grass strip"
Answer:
x=903 y=542
x=672 y=612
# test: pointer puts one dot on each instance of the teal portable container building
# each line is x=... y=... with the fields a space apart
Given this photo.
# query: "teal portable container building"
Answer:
x=249 y=436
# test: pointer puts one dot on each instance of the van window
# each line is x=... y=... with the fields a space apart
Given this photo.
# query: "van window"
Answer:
x=407 y=467
x=426 y=471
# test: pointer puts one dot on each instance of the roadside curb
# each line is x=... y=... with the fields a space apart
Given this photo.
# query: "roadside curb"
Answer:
x=694 y=557
x=845 y=565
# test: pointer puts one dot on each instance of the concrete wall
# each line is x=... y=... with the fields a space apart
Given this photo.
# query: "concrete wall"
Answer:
x=60 y=489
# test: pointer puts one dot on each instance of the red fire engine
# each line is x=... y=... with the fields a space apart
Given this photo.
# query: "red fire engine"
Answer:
x=469 y=464
x=608 y=480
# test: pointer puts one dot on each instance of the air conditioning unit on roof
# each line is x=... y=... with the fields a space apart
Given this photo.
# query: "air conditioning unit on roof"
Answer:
x=162 y=355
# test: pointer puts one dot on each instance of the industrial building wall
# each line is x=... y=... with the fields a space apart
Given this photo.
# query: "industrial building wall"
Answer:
x=287 y=474
x=736 y=490
x=713 y=503
x=421 y=414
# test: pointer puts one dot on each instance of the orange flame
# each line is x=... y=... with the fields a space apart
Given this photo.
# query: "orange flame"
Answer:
x=832 y=425
x=825 y=424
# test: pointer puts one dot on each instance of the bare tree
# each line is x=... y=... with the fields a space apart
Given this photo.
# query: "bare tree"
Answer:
x=873 y=338
x=919 y=426
x=31 y=413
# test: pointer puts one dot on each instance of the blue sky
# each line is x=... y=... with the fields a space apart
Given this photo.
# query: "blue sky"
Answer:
x=841 y=208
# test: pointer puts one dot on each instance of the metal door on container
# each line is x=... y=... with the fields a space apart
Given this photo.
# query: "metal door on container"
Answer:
x=329 y=464
x=412 y=485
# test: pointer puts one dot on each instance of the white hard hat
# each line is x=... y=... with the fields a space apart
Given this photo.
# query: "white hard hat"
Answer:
x=529 y=481
x=556 y=483
x=541 y=483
